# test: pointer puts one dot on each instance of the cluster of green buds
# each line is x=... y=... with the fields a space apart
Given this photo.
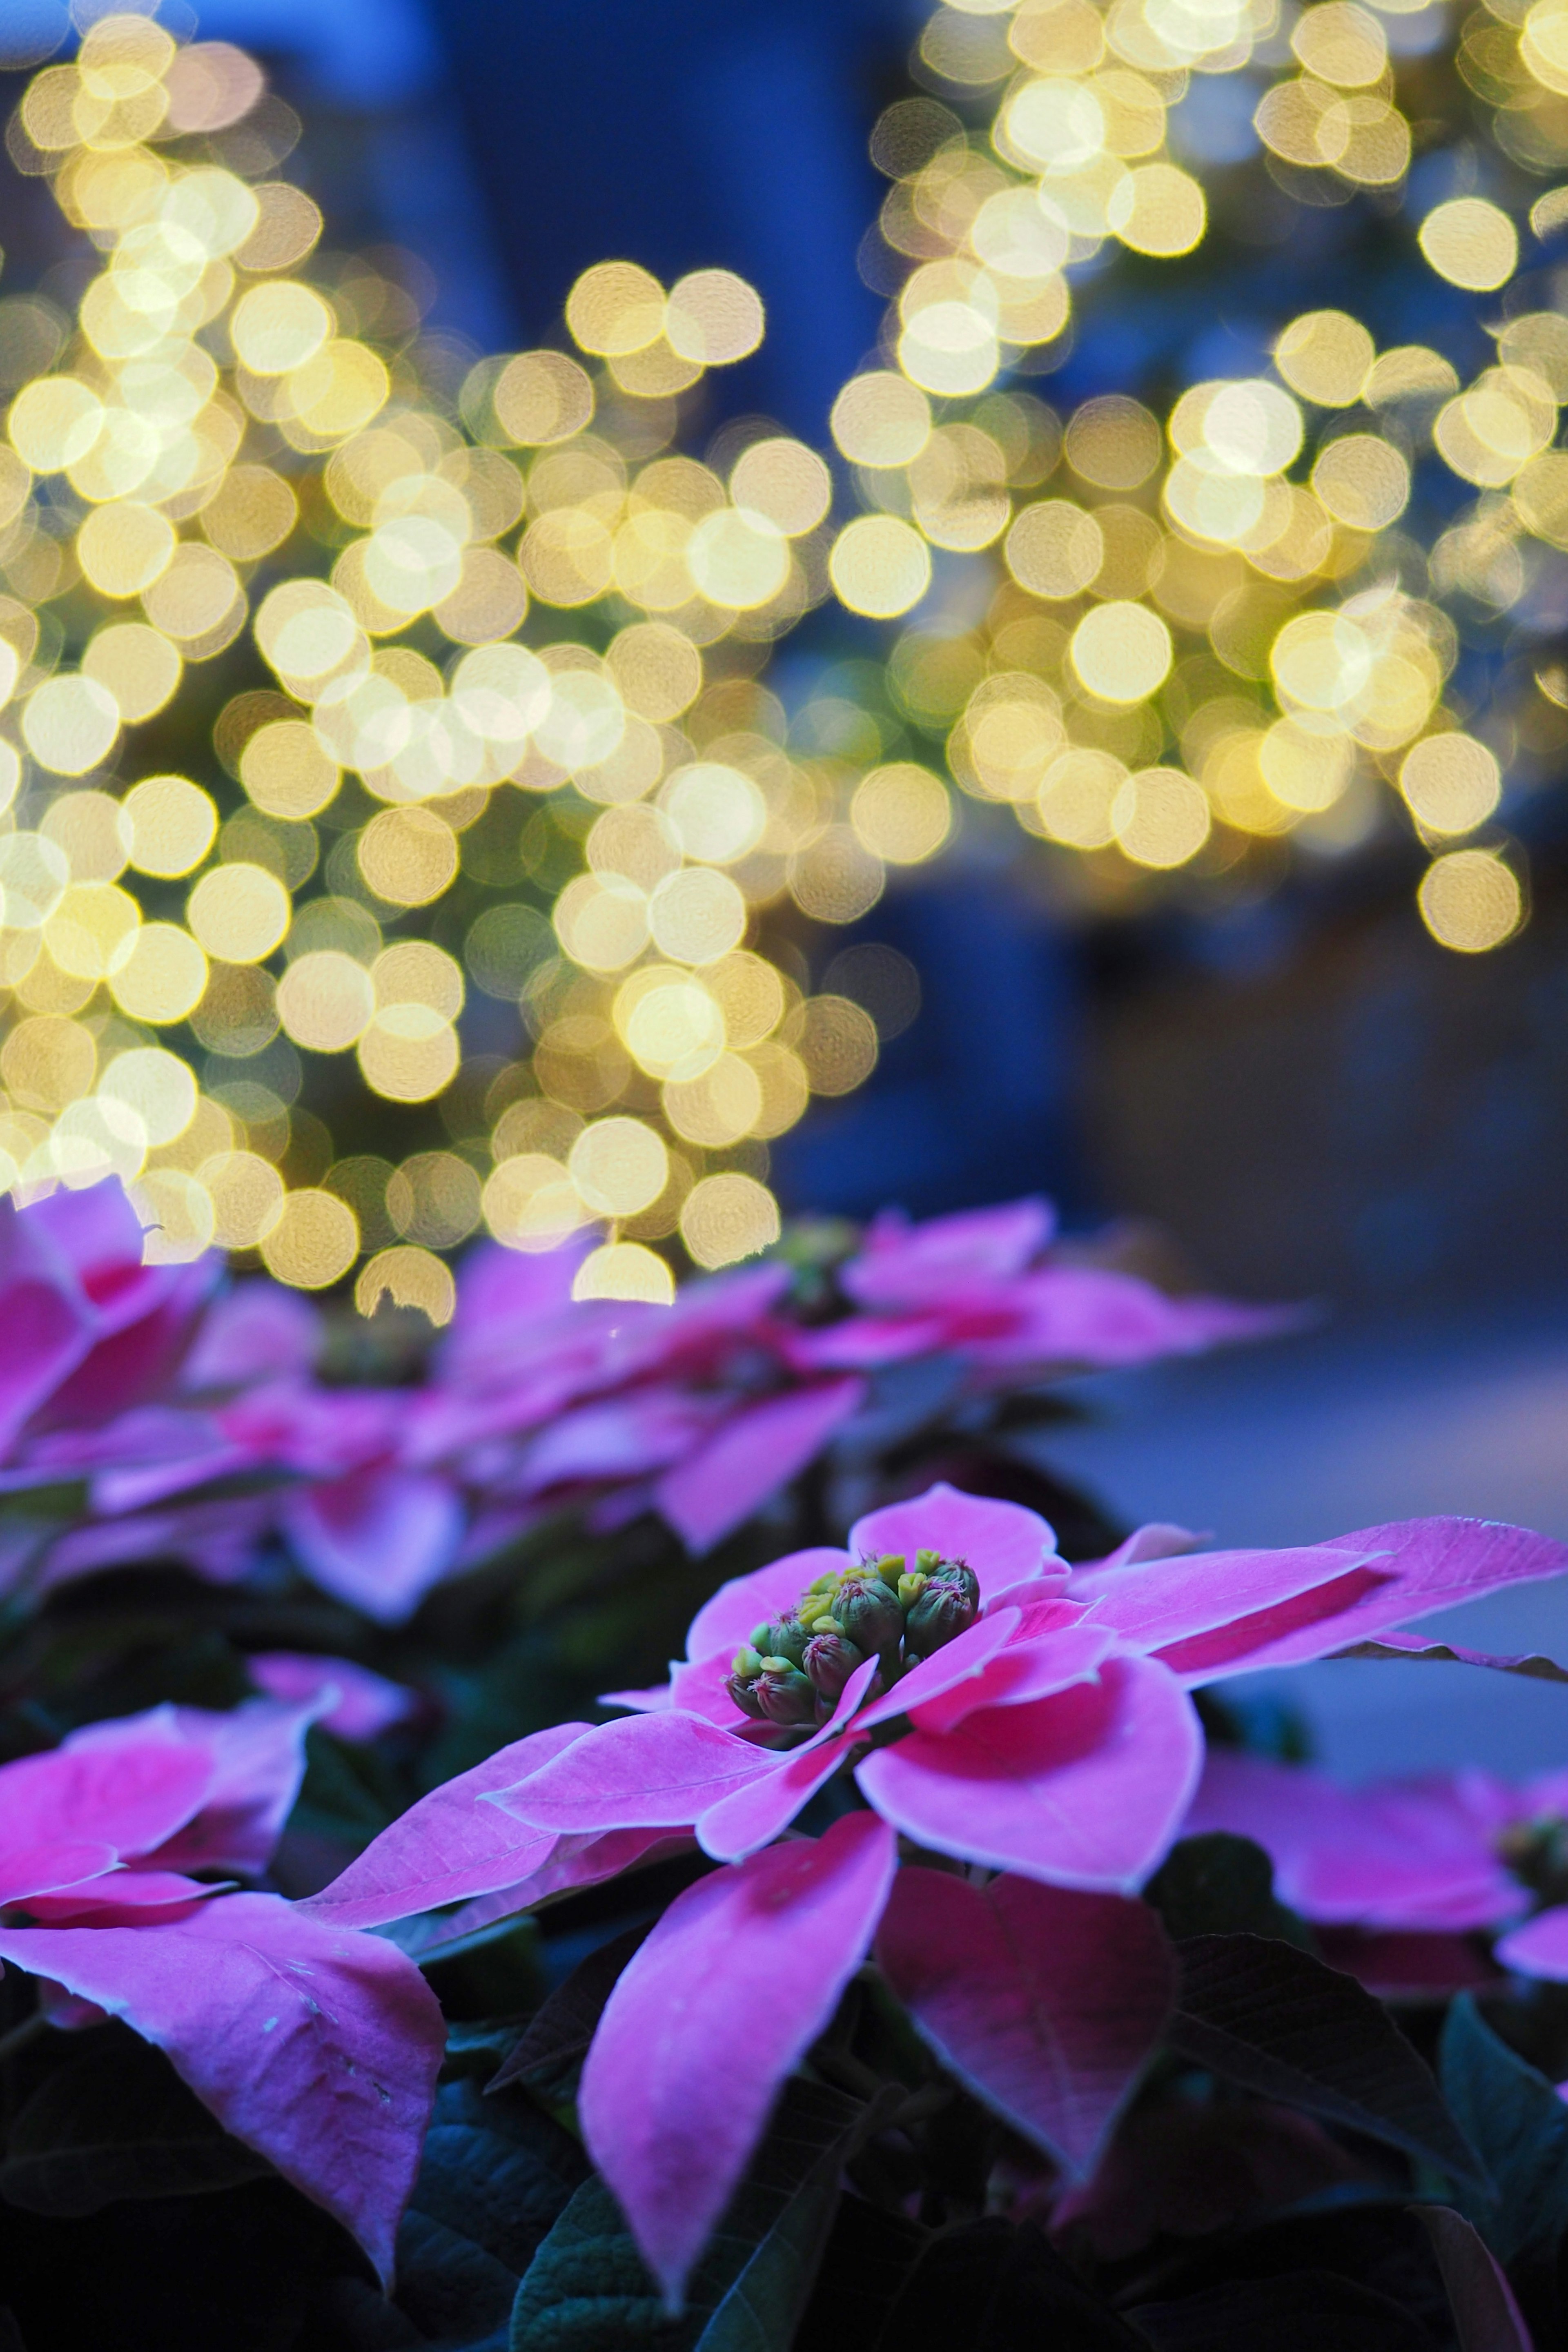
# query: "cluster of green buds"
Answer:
x=793 y=1670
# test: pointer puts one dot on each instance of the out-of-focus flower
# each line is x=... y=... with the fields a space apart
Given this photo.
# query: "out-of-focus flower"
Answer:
x=1051 y=1740
x=356 y=1702
x=1427 y=1857
x=983 y=1285
x=1420 y=1855
x=316 y=2047
x=198 y=1425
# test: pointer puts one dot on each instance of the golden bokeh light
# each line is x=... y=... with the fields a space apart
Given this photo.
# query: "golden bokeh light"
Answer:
x=728 y=1217
x=879 y=566
x=170 y=825
x=409 y=1277
x=1470 y=901
x=1121 y=651
x=314 y=1241
x=1470 y=243
x=239 y=912
x=1452 y=783
x=624 y=1270
x=1185 y=639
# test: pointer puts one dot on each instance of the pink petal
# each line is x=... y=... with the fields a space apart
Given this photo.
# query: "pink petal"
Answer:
x=50 y=1321
x=1156 y=1603
x=958 y=1665
x=903 y=1264
x=1024 y=1671
x=1087 y=1789
x=318 y=2049
x=257 y=1760
x=647 y=1771
x=626 y=1436
x=37 y=1870
x=1539 y=1948
x=131 y=1783
x=358 y=1704
x=757 y=1451
x=1047 y=2001
x=121 y=1898
x=256 y=1331
x=753 y=1815
x=378 y=1538
x=1094 y=1315
x=447 y=1847
x=98 y=1233
x=1001 y=1541
x=734 y=1984
x=150 y=1324
x=1412 y=1855
x=722 y=1624
x=1422 y=1565
x=572 y=1863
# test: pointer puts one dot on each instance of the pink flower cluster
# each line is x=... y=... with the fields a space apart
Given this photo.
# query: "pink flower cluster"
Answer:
x=193 y=1418
x=1405 y=1862
x=317 y=2047
x=947 y=1681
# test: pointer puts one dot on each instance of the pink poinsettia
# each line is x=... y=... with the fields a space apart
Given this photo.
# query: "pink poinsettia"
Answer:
x=984 y=1286
x=316 y=2047
x=1404 y=1859
x=194 y=1419
x=967 y=1691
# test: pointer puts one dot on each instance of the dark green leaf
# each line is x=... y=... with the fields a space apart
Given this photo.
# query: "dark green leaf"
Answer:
x=1218 y=1884
x=1288 y=2027
x=496 y=2176
x=115 y=2121
x=761 y=2309
x=1519 y=2126
x=556 y=2043
x=1306 y=2311
x=589 y=2291
x=1485 y=2314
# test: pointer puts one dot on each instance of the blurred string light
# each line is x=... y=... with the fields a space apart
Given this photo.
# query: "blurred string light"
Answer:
x=1217 y=633
x=248 y=505
x=221 y=467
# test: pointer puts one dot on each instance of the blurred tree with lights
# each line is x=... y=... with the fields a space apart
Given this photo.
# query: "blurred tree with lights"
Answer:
x=408 y=825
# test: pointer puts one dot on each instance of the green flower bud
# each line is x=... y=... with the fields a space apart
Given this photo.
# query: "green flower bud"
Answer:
x=830 y=1659
x=943 y=1611
x=747 y=1661
x=890 y=1568
x=742 y=1682
x=926 y=1561
x=912 y=1584
x=960 y=1576
x=826 y=1584
x=783 y=1637
x=869 y=1611
x=783 y=1694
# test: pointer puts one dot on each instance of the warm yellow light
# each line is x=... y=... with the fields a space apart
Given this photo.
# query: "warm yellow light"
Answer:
x=1470 y=901
x=729 y=1217
x=1121 y=651
x=624 y=1270
x=1471 y=243
x=879 y=566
